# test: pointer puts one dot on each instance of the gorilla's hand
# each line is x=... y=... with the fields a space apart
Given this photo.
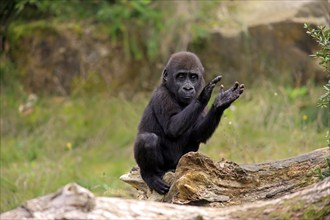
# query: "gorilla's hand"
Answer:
x=205 y=95
x=225 y=98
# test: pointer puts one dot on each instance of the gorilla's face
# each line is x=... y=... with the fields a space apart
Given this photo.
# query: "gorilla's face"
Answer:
x=187 y=84
x=183 y=76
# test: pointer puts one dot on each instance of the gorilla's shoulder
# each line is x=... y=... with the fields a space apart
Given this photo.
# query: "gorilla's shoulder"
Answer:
x=162 y=98
x=161 y=93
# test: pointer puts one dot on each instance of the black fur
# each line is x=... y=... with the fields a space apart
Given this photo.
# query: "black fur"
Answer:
x=175 y=121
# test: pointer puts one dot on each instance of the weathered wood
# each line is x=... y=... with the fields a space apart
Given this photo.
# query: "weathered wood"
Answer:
x=200 y=181
x=75 y=202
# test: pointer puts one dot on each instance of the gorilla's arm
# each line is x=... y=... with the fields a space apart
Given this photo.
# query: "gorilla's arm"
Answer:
x=205 y=127
x=180 y=122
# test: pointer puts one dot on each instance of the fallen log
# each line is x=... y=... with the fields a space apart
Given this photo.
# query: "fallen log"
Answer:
x=256 y=188
x=75 y=202
x=200 y=181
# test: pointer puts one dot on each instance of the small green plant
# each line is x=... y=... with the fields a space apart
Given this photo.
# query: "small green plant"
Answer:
x=321 y=35
x=323 y=174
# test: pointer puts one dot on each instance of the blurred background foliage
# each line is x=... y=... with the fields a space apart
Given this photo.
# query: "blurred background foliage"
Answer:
x=77 y=74
x=129 y=19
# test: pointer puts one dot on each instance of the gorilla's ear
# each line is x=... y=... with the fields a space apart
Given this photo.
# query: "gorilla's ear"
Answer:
x=165 y=75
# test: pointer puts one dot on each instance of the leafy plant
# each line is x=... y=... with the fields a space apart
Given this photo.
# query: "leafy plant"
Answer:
x=321 y=35
x=130 y=20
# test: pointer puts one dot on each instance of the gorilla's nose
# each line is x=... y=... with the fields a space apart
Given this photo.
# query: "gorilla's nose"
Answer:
x=187 y=88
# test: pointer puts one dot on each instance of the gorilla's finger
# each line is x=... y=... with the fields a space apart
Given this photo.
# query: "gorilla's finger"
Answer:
x=161 y=187
x=216 y=80
x=235 y=86
x=221 y=89
x=241 y=88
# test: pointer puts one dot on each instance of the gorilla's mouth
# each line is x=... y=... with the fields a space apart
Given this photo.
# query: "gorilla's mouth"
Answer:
x=187 y=95
x=187 y=99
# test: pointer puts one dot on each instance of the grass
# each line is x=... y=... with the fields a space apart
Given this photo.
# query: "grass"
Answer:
x=267 y=123
x=88 y=138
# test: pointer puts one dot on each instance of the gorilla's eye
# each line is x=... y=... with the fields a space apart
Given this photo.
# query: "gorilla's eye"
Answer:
x=193 y=76
x=180 y=76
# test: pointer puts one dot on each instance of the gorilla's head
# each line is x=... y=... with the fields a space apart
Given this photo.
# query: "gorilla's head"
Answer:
x=183 y=76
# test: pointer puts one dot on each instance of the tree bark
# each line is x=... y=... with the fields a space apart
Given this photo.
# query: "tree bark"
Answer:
x=274 y=190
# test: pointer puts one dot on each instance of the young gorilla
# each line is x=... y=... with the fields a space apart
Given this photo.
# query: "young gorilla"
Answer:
x=174 y=122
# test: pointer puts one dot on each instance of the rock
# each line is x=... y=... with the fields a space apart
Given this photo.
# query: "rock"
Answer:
x=56 y=58
x=265 y=40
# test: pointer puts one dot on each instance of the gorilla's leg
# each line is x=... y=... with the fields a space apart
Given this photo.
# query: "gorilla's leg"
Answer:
x=150 y=160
